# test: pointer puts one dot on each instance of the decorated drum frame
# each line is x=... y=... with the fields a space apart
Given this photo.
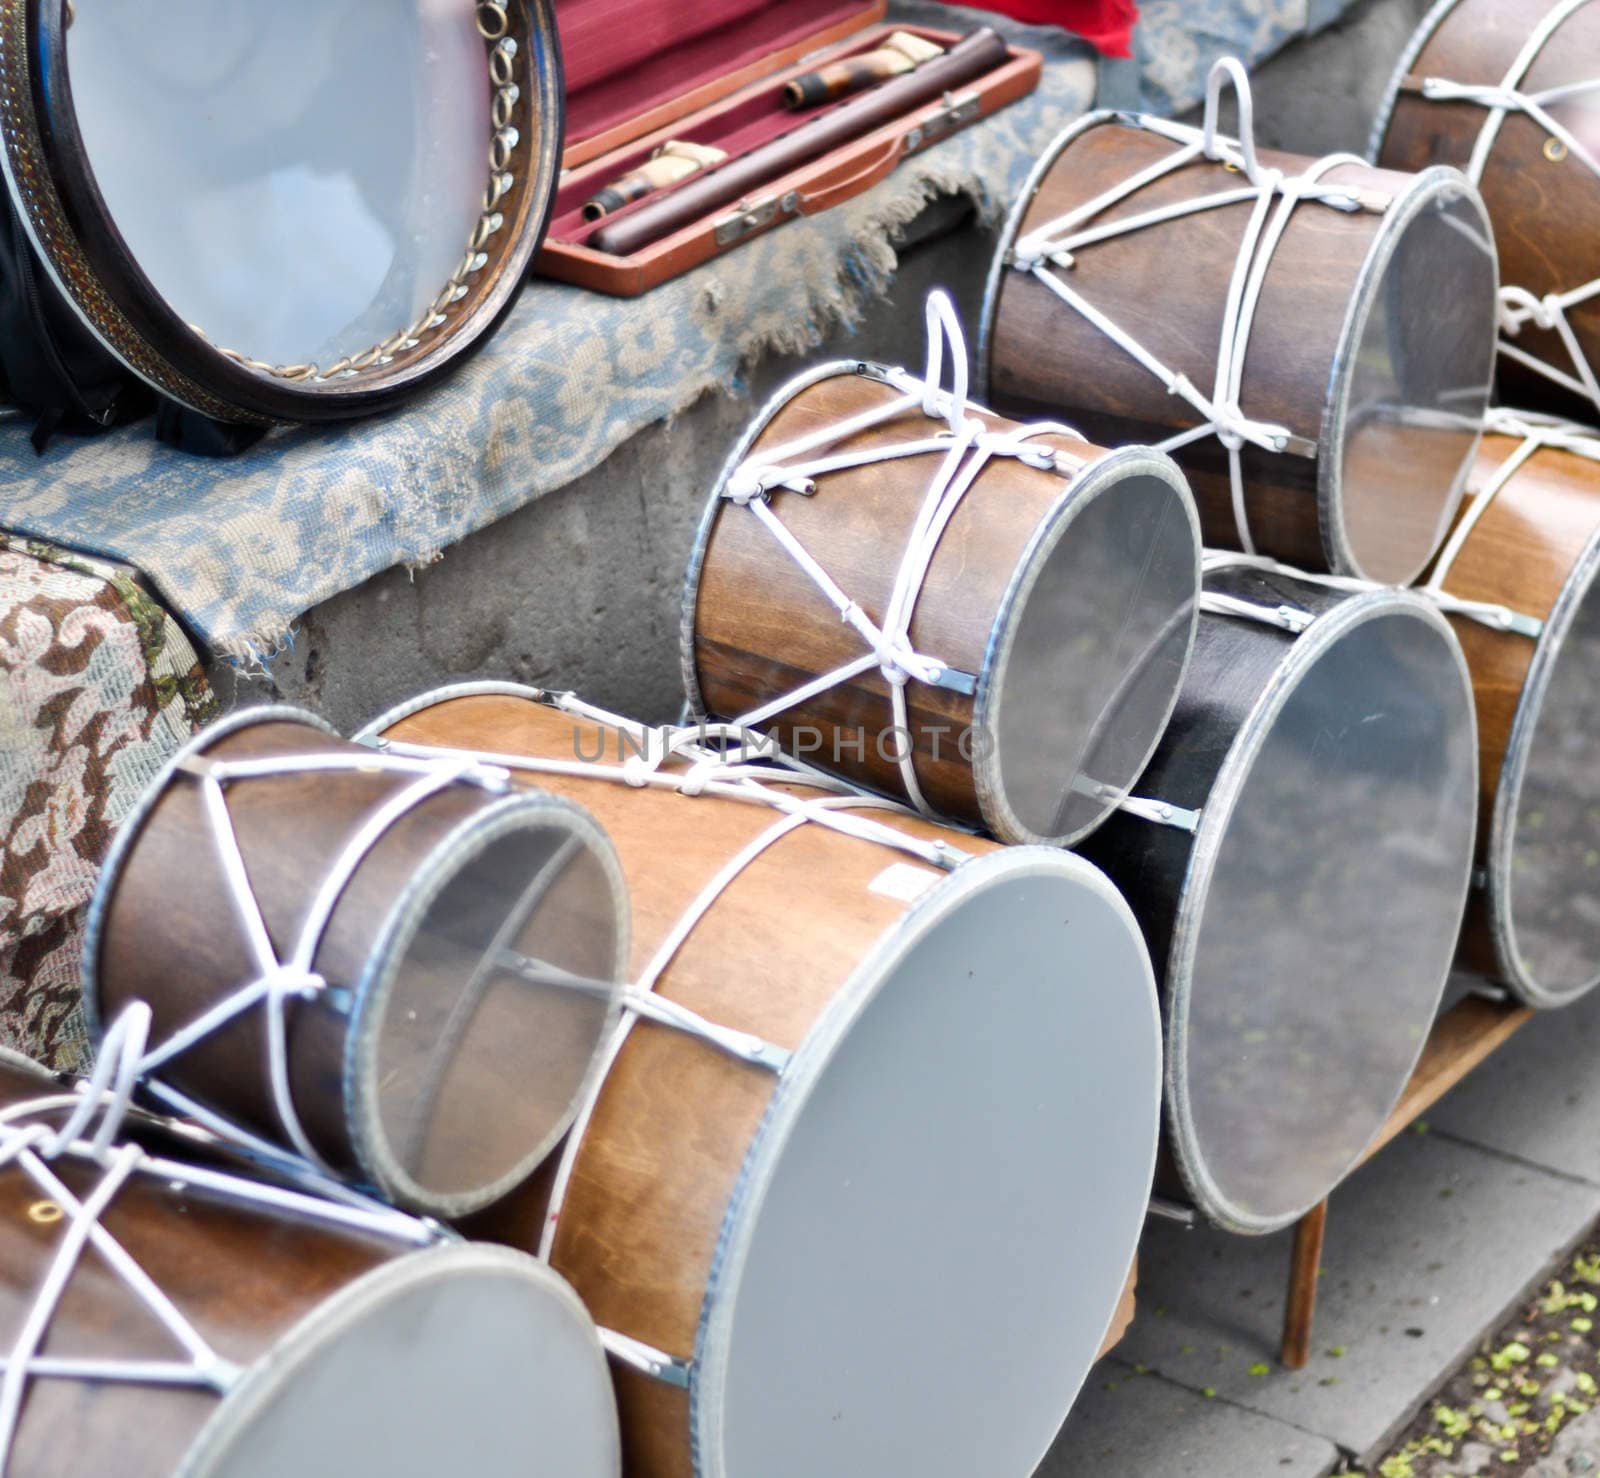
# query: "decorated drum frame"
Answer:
x=1427 y=185
x=53 y=191
x=1078 y=491
x=369 y=994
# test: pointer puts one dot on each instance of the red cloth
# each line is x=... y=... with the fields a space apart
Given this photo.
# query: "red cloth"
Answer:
x=1107 y=25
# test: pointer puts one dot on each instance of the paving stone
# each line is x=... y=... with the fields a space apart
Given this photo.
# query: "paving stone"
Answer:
x=1128 y=1425
x=1428 y=1246
x=1538 y=1097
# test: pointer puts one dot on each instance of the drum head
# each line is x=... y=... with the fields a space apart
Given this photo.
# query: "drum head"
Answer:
x=936 y=1223
x=1320 y=915
x=465 y=1352
x=292 y=211
x=1414 y=372
x=1545 y=845
x=1092 y=648
x=488 y=1001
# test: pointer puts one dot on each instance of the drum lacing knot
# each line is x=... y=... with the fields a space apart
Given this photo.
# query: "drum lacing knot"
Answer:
x=699 y=775
x=1519 y=306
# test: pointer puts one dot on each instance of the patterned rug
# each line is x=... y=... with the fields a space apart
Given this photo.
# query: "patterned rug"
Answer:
x=98 y=686
x=241 y=549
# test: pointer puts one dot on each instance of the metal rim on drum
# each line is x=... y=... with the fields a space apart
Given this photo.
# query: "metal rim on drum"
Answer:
x=1428 y=187
x=1209 y=842
x=1543 y=701
x=1576 y=596
x=77 y=239
x=828 y=1152
x=370 y=993
x=1080 y=492
x=511 y=1355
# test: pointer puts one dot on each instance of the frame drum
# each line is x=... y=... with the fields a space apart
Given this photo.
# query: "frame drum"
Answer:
x=1509 y=92
x=296 y=211
x=1518 y=578
x=1320 y=365
x=1024 y=601
x=1299 y=858
x=865 y=1179
x=318 y=930
x=218 y=1327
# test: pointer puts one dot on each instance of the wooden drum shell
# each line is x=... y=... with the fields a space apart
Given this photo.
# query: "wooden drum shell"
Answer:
x=266 y=1288
x=1042 y=357
x=755 y=626
x=1535 y=550
x=1546 y=212
x=165 y=929
x=643 y=1231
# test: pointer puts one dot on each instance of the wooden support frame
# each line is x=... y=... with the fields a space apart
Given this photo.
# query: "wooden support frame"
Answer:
x=1462 y=1038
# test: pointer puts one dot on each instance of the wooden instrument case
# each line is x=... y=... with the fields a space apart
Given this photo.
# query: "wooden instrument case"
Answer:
x=639 y=74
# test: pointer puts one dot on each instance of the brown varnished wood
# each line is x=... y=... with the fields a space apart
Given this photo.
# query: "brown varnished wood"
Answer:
x=242 y=1276
x=762 y=628
x=657 y=1168
x=1166 y=286
x=1520 y=555
x=1305 y=1269
x=1546 y=212
x=172 y=936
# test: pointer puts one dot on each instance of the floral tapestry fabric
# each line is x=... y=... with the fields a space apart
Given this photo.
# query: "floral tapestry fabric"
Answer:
x=98 y=687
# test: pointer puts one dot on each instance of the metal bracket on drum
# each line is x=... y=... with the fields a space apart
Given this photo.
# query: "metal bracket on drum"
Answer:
x=1164 y=1209
x=1162 y=813
x=956 y=681
x=745 y=1046
x=1288 y=618
x=646 y=1359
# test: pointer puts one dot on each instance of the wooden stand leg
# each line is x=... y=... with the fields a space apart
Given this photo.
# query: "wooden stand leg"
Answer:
x=1302 y=1307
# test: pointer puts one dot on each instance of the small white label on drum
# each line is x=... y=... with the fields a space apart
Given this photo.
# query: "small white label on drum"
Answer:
x=905 y=881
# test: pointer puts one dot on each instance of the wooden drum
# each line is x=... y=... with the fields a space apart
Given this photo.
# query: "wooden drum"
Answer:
x=1299 y=858
x=220 y=1327
x=862 y=1188
x=1313 y=339
x=1017 y=605
x=317 y=930
x=1509 y=92
x=1518 y=578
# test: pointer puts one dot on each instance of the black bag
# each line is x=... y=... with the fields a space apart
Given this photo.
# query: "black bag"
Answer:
x=57 y=371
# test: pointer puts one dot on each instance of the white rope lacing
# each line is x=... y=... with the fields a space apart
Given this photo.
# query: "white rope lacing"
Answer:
x=964 y=445
x=1518 y=306
x=1535 y=432
x=280 y=981
x=723 y=760
x=37 y=1135
x=1050 y=250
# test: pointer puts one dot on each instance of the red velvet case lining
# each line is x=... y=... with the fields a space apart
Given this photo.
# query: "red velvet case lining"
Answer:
x=745 y=122
x=624 y=57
